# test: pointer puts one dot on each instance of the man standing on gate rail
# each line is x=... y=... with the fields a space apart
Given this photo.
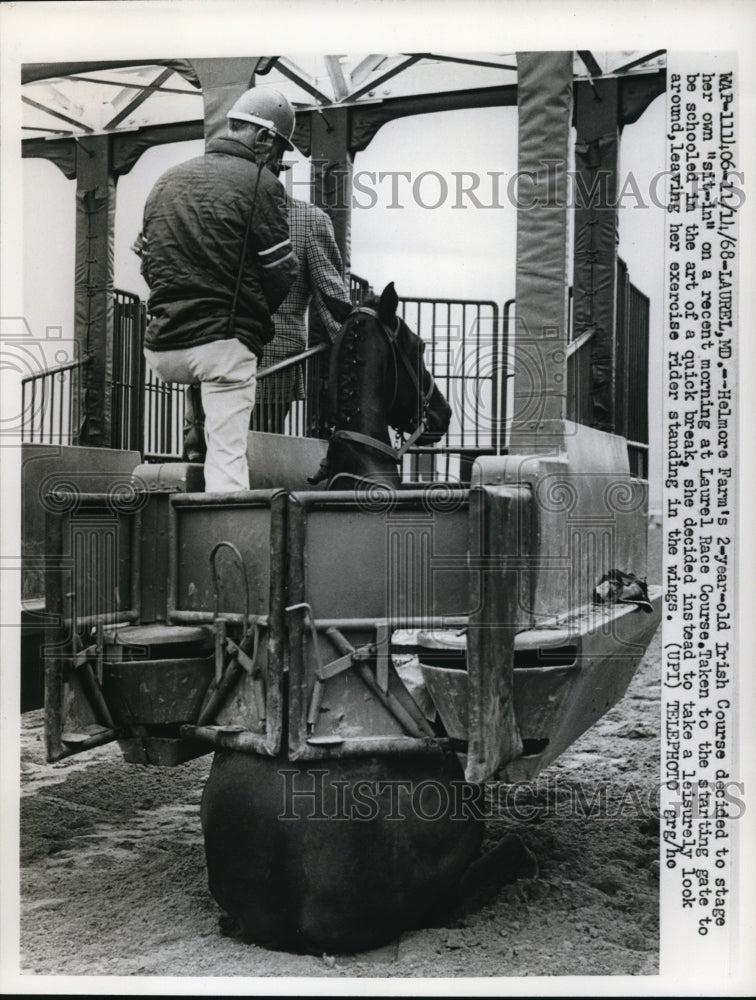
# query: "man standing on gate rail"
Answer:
x=218 y=259
x=319 y=281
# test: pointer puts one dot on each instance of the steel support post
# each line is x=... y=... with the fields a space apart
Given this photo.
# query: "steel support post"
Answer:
x=222 y=81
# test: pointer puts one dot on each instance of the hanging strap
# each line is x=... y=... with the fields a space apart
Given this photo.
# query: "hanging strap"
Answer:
x=365 y=439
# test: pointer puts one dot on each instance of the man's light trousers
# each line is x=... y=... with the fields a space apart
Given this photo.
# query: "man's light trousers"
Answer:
x=226 y=372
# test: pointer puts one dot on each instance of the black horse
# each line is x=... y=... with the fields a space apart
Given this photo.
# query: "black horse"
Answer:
x=378 y=380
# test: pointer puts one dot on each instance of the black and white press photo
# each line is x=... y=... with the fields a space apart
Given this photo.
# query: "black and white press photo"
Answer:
x=372 y=541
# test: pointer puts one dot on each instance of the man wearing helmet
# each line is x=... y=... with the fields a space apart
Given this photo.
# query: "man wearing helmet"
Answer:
x=217 y=256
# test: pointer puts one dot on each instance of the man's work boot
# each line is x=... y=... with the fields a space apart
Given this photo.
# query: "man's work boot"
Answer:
x=194 y=425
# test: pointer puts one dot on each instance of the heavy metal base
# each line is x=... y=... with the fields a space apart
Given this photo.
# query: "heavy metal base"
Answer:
x=335 y=856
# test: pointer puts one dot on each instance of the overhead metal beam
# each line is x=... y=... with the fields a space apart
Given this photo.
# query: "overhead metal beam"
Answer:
x=639 y=62
x=126 y=147
x=132 y=86
x=296 y=75
x=364 y=68
x=120 y=100
x=55 y=114
x=140 y=98
x=368 y=118
x=590 y=63
x=51 y=71
x=336 y=76
x=61 y=151
x=39 y=128
x=382 y=79
x=266 y=64
x=129 y=146
x=63 y=101
x=468 y=62
x=638 y=90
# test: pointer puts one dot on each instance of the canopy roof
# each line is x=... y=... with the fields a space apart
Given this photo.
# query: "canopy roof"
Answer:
x=75 y=99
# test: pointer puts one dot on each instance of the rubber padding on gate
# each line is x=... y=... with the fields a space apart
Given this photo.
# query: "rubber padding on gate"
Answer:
x=544 y=100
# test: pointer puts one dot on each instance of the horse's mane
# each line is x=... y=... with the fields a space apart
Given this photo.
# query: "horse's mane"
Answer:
x=347 y=358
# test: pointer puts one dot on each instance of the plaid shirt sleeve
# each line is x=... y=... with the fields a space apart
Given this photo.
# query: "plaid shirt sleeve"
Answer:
x=319 y=259
x=325 y=268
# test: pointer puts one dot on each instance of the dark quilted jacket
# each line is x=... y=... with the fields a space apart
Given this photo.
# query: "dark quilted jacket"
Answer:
x=194 y=221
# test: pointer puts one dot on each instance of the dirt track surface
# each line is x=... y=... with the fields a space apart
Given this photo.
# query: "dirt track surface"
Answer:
x=113 y=876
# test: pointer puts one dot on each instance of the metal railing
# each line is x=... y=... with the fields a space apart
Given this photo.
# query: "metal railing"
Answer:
x=165 y=409
x=632 y=313
x=279 y=413
x=51 y=405
x=579 y=382
x=468 y=359
x=359 y=289
x=630 y=372
x=163 y=428
x=465 y=354
x=128 y=396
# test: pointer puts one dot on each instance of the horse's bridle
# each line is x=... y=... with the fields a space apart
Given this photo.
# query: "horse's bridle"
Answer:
x=395 y=453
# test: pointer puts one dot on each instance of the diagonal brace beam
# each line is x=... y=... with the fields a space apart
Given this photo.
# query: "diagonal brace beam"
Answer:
x=140 y=98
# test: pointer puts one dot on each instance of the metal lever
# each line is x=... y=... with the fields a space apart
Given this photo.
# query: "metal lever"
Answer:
x=250 y=665
x=317 y=690
x=324 y=672
x=238 y=659
x=382 y=640
x=413 y=723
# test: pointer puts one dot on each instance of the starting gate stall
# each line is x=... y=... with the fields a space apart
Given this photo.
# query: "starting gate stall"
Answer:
x=214 y=617
x=442 y=632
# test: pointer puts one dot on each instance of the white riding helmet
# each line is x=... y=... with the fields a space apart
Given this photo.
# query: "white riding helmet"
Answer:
x=268 y=108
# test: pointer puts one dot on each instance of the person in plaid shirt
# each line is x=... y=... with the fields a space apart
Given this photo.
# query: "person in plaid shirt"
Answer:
x=320 y=281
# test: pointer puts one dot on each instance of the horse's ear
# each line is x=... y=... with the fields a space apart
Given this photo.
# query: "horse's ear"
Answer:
x=388 y=303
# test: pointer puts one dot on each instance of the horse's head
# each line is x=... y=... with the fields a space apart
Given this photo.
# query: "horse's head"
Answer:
x=414 y=395
x=378 y=380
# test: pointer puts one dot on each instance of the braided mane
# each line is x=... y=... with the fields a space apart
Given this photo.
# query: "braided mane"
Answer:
x=348 y=364
x=348 y=361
